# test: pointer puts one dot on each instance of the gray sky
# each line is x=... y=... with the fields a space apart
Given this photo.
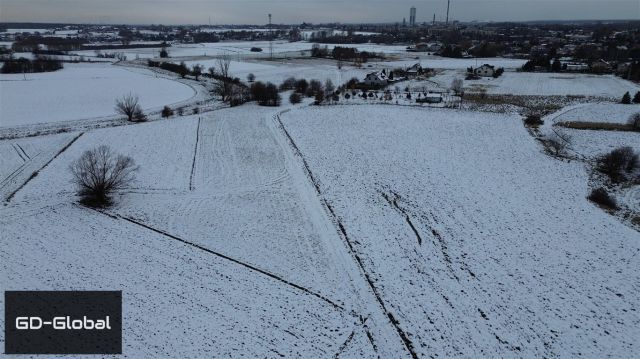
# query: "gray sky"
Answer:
x=297 y=11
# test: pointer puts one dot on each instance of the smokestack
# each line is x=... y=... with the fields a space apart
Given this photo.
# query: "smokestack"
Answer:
x=448 y=3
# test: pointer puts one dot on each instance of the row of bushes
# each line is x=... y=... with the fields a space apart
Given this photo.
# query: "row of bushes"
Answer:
x=626 y=98
x=22 y=65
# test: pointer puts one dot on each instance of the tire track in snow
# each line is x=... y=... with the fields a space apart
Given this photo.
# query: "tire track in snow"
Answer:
x=223 y=256
x=18 y=152
x=408 y=344
x=43 y=167
x=195 y=153
x=23 y=151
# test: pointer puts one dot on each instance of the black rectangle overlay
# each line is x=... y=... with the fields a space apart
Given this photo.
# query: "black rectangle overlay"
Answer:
x=61 y=322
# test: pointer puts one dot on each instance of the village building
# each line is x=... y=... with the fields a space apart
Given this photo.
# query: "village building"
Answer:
x=377 y=78
x=485 y=70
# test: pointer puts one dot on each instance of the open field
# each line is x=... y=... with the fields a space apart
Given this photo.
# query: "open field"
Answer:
x=600 y=112
x=81 y=91
x=545 y=84
x=354 y=229
x=497 y=252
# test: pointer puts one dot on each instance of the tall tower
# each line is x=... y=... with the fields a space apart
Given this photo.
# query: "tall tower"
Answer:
x=448 y=3
x=412 y=17
x=270 y=39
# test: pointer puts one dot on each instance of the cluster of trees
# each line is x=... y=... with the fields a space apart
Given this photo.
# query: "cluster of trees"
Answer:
x=453 y=51
x=537 y=62
x=265 y=94
x=32 y=43
x=180 y=69
x=626 y=98
x=199 y=37
x=22 y=65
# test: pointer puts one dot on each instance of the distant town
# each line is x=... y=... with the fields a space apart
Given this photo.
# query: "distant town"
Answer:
x=603 y=47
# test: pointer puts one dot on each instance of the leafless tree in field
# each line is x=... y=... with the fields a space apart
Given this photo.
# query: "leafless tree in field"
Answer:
x=128 y=106
x=457 y=86
x=99 y=172
x=223 y=82
x=558 y=142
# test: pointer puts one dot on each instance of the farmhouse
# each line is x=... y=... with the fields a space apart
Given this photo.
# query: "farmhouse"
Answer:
x=414 y=70
x=377 y=78
x=485 y=70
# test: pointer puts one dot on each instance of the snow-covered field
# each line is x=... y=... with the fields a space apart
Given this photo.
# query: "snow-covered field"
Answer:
x=427 y=231
x=600 y=112
x=544 y=84
x=483 y=244
x=81 y=91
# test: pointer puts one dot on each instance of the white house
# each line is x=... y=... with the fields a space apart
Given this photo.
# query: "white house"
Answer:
x=377 y=78
x=485 y=70
x=414 y=70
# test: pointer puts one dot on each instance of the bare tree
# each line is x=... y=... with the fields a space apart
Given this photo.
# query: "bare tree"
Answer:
x=558 y=142
x=223 y=83
x=99 y=172
x=457 y=86
x=128 y=106
x=329 y=88
x=197 y=71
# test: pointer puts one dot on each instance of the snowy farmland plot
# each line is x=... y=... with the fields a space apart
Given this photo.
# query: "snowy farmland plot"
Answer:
x=466 y=251
x=81 y=91
x=366 y=225
x=544 y=84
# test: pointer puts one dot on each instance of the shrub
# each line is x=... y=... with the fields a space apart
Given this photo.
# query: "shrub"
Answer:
x=266 y=95
x=626 y=99
x=533 y=121
x=288 y=84
x=180 y=111
x=256 y=49
x=139 y=116
x=251 y=77
x=196 y=110
x=295 y=98
x=301 y=86
x=128 y=106
x=618 y=162
x=167 y=112
x=315 y=87
x=634 y=121
x=602 y=198
x=164 y=53
x=558 y=142
x=22 y=65
x=99 y=172
x=636 y=97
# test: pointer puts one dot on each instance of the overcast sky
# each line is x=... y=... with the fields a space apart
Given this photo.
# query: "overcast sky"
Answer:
x=298 y=11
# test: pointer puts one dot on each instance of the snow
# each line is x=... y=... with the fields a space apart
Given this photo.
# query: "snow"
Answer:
x=596 y=143
x=548 y=84
x=450 y=229
x=600 y=112
x=436 y=62
x=242 y=200
x=513 y=261
x=177 y=300
x=81 y=91
x=20 y=158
